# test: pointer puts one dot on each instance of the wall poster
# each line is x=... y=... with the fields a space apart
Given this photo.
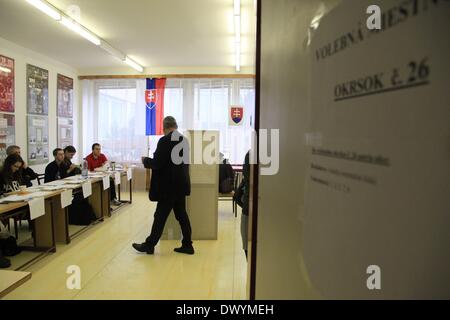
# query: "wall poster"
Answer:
x=7 y=133
x=65 y=132
x=6 y=84
x=65 y=96
x=38 y=148
x=37 y=90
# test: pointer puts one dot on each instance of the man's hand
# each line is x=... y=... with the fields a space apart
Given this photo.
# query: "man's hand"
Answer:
x=72 y=167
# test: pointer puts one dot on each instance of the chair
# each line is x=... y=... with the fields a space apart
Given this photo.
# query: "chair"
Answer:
x=230 y=196
x=40 y=177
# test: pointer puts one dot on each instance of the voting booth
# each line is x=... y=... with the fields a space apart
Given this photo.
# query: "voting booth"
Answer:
x=202 y=204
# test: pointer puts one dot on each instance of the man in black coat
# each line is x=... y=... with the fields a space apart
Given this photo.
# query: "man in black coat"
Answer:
x=55 y=170
x=170 y=184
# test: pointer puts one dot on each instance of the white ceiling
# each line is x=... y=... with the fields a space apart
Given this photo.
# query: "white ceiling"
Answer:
x=156 y=33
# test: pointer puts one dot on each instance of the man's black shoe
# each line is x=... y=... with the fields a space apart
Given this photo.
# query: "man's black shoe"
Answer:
x=4 y=262
x=143 y=247
x=184 y=249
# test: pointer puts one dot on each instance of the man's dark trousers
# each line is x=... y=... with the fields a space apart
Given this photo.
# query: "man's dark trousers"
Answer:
x=163 y=209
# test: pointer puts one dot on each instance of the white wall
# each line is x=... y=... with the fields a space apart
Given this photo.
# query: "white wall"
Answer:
x=22 y=56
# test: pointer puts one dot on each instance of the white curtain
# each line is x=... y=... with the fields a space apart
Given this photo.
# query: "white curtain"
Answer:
x=114 y=114
x=203 y=104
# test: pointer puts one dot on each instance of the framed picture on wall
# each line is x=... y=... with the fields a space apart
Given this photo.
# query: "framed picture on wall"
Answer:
x=65 y=132
x=7 y=133
x=6 y=84
x=65 y=96
x=38 y=152
x=37 y=90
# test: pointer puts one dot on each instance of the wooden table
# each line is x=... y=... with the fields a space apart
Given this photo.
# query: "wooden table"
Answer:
x=10 y=280
x=43 y=226
x=99 y=200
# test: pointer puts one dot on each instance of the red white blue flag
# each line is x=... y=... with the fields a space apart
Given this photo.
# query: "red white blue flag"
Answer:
x=154 y=103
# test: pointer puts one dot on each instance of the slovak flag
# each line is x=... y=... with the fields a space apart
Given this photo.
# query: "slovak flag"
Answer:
x=154 y=105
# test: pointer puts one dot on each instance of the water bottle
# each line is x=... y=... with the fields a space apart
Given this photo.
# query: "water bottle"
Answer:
x=84 y=170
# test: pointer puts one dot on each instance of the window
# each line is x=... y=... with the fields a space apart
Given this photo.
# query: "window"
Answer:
x=114 y=114
x=116 y=123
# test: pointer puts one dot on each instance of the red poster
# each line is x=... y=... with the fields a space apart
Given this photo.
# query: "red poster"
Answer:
x=6 y=84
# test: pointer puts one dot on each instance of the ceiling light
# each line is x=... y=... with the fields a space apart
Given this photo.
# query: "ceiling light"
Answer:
x=133 y=64
x=112 y=51
x=237 y=7
x=46 y=8
x=237 y=28
x=76 y=27
x=237 y=33
x=238 y=56
x=6 y=70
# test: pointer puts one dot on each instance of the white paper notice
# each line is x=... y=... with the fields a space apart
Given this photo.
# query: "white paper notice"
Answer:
x=66 y=198
x=129 y=174
x=106 y=182
x=378 y=173
x=117 y=178
x=87 y=189
x=37 y=208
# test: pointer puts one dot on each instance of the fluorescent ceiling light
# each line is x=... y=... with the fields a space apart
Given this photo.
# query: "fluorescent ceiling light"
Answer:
x=112 y=51
x=3 y=69
x=237 y=33
x=237 y=7
x=238 y=56
x=46 y=8
x=133 y=64
x=76 y=27
x=237 y=28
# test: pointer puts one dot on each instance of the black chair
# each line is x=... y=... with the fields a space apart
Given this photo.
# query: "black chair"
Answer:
x=40 y=177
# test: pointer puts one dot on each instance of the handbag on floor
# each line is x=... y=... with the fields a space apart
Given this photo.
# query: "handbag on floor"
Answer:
x=9 y=247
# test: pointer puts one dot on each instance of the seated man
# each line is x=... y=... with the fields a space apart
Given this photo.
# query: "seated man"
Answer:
x=26 y=172
x=97 y=160
x=70 y=168
x=56 y=170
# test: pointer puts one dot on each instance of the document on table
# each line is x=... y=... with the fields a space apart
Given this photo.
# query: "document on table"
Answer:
x=106 y=182
x=66 y=198
x=37 y=208
x=53 y=188
x=24 y=197
x=39 y=194
x=87 y=189
x=55 y=183
x=15 y=198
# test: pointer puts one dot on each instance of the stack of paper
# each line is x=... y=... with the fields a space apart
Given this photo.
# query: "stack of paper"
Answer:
x=15 y=198
x=55 y=183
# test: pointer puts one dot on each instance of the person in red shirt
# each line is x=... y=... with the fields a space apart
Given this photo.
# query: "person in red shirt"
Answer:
x=96 y=160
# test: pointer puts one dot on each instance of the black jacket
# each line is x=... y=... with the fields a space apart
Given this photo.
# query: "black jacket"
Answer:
x=66 y=165
x=169 y=180
x=27 y=175
x=53 y=172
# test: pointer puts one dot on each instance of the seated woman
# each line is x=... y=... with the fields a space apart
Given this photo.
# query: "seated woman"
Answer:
x=10 y=181
x=10 y=175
